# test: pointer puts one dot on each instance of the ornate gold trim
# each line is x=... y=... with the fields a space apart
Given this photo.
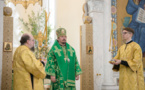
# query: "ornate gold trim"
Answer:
x=71 y=81
x=24 y=3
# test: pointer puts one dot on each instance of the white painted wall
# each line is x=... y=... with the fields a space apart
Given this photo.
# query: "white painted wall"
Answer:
x=69 y=16
x=1 y=37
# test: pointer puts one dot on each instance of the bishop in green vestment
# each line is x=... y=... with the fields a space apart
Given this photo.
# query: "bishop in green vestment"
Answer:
x=62 y=65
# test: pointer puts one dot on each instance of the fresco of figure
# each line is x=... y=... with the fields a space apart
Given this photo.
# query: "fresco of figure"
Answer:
x=139 y=28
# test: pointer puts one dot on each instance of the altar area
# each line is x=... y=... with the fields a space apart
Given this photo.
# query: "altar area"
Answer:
x=91 y=25
x=12 y=27
x=20 y=15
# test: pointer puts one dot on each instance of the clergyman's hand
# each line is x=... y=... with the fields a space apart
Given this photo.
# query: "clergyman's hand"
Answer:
x=77 y=77
x=53 y=79
x=117 y=62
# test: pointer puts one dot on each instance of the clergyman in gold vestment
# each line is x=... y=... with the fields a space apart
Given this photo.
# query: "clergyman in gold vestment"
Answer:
x=28 y=72
x=128 y=62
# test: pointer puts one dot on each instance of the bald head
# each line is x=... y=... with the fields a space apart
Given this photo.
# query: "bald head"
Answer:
x=28 y=40
x=24 y=38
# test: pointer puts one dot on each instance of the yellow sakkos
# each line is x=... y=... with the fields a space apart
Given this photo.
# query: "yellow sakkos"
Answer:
x=24 y=64
x=131 y=78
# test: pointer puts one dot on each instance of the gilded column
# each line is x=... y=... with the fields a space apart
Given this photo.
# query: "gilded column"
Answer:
x=7 y=50
x=87 y=80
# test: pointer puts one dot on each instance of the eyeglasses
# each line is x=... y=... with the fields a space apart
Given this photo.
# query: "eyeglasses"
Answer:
x=125 y=32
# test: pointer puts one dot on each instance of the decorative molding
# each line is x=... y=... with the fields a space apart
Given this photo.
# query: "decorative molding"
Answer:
x=95 y=6
x=114 y=25
x=25 y=3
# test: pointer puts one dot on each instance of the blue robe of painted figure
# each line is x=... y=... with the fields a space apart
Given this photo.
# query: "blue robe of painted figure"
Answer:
x=139 y=28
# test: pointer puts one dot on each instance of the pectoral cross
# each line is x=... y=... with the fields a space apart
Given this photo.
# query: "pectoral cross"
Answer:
x=67 y=59
x=71 y=51
x=57 y=51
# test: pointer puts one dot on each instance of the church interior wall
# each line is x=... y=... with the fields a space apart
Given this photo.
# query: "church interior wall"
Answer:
x=20 y=12
x=68 y=15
